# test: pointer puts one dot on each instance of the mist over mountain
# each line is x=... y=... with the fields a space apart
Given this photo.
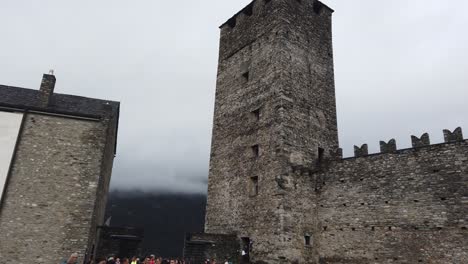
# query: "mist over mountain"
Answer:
x=165 y=217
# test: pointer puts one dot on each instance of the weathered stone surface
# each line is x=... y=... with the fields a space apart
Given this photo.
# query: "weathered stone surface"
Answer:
x=56 y=190
x=410 y=206
x=200 y=247
x=291 y=83
x=277 y=124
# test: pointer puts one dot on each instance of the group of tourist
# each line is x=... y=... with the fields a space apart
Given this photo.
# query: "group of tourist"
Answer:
x=135 y=260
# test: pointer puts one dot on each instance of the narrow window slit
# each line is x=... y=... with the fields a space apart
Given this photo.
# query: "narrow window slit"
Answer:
x=246 y=76
x=256 y=151
x=256 y=114
x=321 y=154
x=254 y=186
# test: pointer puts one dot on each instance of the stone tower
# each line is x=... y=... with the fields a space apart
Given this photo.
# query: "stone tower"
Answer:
x=275 y=115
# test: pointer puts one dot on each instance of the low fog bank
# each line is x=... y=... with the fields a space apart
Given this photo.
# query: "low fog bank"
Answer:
x=165 y=217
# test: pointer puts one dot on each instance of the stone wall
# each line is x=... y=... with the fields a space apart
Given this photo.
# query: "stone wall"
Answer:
x=109 y=151
x=200 y=247
x=49 y=207
x=410 y=206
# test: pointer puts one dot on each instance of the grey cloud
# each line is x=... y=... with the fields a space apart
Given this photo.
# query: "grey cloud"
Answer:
x=400 y=70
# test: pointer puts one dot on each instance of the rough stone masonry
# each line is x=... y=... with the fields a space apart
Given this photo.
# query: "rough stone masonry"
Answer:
x=278 y=183
x=55 y=193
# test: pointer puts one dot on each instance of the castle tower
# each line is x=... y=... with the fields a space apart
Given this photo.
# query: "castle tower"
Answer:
x=274 y=128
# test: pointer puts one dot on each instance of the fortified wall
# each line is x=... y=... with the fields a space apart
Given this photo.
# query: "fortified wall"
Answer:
x=397 y=206
x=278 y=181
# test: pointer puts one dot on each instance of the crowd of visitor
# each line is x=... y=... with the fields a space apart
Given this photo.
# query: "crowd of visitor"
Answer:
x=136 y=260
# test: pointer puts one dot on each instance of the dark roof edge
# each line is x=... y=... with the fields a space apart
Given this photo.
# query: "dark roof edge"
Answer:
x=32 y=105
x=40 y=110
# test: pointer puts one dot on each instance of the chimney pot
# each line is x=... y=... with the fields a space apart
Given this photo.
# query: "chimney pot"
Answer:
x=47 y=89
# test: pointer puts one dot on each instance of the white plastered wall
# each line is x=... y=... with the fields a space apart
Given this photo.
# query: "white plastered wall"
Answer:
x=9 y=128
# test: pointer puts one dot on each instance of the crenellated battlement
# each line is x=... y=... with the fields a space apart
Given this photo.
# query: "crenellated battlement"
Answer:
x=422 y=141
x=258 y=6
x=245 y=12
x=261 y=17
x=417 y=142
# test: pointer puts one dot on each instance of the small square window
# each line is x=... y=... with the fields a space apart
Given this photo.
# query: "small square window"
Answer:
x=308 y=240
x=256 y=114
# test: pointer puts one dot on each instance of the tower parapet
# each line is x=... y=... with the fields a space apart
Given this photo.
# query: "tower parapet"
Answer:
x=260 y=17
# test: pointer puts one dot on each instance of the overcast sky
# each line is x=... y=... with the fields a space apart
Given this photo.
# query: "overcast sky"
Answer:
x=401 y=69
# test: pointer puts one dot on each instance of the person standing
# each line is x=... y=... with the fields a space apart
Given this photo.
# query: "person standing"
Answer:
x=152 y=261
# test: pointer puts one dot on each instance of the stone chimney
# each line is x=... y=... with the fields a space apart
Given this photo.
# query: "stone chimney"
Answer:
x=47 y=88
